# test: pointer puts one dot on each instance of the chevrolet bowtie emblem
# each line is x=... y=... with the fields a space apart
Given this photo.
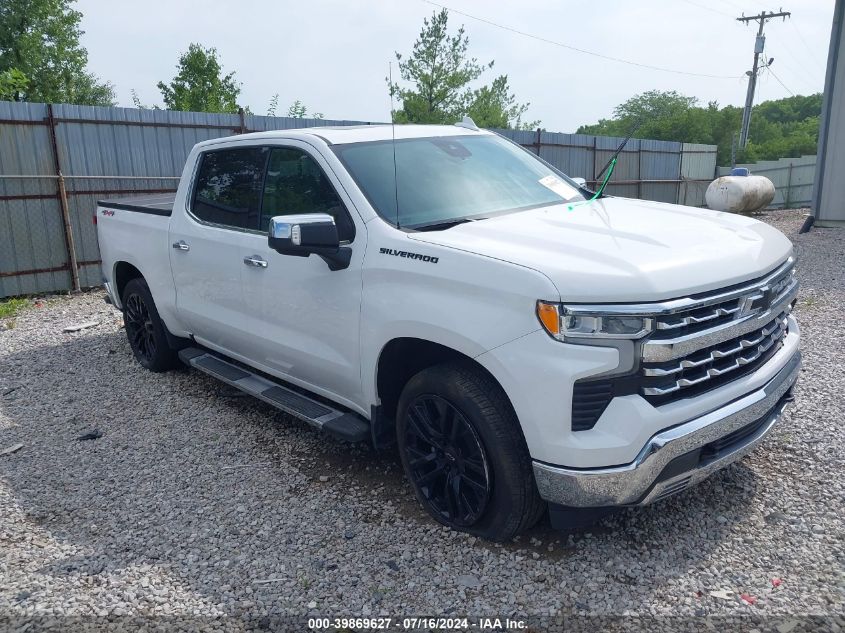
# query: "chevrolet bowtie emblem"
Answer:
x=757 y=302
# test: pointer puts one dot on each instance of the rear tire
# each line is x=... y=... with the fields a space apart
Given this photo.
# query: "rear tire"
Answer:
x=145 y=329
x=464 y=453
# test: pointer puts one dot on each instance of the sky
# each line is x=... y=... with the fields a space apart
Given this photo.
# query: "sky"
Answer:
x=333 y=54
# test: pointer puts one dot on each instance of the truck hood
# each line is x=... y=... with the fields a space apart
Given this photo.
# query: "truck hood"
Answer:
x=621 y=249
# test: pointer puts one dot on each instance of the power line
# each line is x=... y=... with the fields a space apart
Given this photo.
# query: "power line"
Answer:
x=706 y=8
x=769 y=68
x=800 y=70
x=804 y=42
x=733 y=6
x=580 y=50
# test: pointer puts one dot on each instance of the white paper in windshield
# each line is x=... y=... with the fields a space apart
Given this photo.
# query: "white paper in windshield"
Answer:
x=564 y=190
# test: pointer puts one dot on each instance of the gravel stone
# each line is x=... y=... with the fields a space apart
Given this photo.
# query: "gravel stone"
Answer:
x=195 y=504
x=465 y=580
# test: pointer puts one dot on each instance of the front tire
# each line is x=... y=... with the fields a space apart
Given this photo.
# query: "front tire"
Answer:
x=463 y=452
x=145 y=329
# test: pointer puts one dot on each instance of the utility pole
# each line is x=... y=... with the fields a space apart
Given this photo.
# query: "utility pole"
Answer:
x=759 y=45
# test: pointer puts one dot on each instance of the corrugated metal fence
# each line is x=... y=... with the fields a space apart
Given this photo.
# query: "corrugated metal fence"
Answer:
x=57 y=161
x=792 y=178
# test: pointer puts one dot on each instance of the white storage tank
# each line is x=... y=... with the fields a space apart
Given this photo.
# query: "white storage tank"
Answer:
x=740 y=192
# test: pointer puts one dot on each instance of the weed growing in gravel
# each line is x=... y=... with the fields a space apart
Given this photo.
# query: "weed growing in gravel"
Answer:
x=10 y=307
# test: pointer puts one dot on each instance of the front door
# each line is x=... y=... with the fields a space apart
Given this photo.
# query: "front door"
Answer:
x=304 y=318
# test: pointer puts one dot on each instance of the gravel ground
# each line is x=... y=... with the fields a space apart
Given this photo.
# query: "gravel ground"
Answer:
x=195 y=501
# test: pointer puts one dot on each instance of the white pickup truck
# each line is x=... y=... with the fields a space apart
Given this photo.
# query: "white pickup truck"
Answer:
x=526 y=343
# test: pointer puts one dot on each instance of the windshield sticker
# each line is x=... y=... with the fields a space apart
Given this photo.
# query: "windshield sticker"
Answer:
x=564 y=190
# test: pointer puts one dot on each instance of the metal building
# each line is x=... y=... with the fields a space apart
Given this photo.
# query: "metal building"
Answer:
x=829 y=194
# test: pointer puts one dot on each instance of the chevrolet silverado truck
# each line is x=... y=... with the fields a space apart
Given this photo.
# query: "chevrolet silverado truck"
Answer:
x=528 y=344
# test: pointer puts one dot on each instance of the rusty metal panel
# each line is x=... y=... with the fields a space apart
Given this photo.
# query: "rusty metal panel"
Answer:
x=571 y=153
x=698 y=166
x=96 y=141
x=31 y=236
x=660 y=160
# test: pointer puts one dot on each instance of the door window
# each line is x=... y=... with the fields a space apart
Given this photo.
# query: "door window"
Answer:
x=228 y=190
x=295 y=184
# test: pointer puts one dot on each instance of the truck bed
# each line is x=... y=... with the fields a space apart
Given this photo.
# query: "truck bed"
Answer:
x=154 y=203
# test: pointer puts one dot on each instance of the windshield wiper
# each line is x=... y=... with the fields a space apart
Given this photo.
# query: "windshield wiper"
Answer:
x=441 y=226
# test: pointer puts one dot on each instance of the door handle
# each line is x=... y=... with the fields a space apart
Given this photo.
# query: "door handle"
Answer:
x=181 y=245
x=255 y=260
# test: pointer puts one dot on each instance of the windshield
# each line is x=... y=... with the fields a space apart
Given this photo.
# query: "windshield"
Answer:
x=446 y=179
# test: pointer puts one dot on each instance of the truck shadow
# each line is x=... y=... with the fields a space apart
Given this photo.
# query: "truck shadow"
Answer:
x=216 y=488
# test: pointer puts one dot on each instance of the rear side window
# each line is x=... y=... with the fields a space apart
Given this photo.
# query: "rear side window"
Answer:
x=295 y=184
x=228 y=190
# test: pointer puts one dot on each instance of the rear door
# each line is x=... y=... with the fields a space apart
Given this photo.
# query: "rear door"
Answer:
x=207 y=241
x=304 y=318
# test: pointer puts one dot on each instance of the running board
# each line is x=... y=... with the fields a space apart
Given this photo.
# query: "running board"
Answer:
x=343 y=425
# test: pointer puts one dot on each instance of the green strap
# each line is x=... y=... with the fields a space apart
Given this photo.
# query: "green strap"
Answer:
x=599 y=191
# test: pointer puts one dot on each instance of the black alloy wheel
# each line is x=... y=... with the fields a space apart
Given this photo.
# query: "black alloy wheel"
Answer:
x=447 y=461
x=139 y=327
x=144 y=328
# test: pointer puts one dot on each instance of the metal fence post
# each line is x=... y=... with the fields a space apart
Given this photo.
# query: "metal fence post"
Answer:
x=787 y=199
x=639 y=170
x=63 y=205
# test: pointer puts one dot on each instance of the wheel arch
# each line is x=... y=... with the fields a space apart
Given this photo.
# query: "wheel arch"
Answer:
x=402 y=358
x=124 y=272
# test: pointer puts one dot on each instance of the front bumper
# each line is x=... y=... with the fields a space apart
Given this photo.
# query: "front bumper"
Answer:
x=679 y=457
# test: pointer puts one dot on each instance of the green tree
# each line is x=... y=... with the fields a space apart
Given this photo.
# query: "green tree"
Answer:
x=200 y=85
x=495 y=106
x=274 y=104
x=299 y=110
x=40 y=39
x=12 y=83
x=783 y=127
x=441 y=74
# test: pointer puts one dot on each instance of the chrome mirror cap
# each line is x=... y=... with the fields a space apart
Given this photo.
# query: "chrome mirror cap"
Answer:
x=308 y=234
x=287 y=227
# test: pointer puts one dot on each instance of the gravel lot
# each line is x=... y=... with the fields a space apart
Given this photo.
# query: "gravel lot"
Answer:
x=197 y=501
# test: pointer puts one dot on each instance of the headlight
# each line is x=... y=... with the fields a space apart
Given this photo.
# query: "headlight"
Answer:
x=565 y=324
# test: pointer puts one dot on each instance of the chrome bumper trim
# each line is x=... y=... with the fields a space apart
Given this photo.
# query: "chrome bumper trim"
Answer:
x=633 y=484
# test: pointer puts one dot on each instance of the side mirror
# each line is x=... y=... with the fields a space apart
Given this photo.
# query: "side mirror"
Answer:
x=307 y=233
x=581 y=182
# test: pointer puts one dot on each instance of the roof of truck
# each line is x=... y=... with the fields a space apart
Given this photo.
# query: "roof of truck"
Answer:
x=339 y=134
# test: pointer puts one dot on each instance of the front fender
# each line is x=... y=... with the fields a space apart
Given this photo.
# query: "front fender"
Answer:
x=466 y=302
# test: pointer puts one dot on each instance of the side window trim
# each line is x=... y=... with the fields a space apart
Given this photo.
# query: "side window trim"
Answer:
x=331 y=184
x=192 y=192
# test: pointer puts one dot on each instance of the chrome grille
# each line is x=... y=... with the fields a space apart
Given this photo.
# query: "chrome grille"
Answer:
x=708 y=311
x=700 y=342
x=712 y=366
